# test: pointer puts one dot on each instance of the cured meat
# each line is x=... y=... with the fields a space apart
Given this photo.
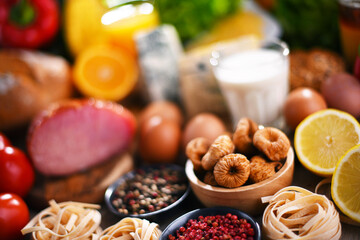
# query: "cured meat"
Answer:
x=74 y=135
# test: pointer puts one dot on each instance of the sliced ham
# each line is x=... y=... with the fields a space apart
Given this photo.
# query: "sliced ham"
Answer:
x=74 y=135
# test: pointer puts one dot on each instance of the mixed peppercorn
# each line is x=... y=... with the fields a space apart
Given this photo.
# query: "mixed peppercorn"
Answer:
x=227 y=226
x=149 y=191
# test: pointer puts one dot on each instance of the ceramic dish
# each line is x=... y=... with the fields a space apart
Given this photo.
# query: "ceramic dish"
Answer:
x=112 y=192
x=181 y=221
x=246 y=198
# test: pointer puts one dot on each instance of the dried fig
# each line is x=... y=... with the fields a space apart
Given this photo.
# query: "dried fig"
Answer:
x=220 y=147
x=209 y=178
x=196 y=149
x=260 y=169
x=272 y=142
x=243 y=136
x=231 y=171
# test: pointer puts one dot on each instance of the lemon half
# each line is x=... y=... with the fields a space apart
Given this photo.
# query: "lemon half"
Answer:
x=323 y=137
x=345 y=185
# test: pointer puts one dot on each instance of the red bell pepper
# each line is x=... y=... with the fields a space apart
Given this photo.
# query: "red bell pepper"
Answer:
x=28 y=23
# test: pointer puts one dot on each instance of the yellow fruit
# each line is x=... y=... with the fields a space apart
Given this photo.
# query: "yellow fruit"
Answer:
x=89 y=22
x=323 y=137
x=120 y=27
x=243 y=23
x=345 y=185
x=82 y=24
x=105 y=72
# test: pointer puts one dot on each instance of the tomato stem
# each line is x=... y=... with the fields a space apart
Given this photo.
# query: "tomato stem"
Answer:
x=22 y=13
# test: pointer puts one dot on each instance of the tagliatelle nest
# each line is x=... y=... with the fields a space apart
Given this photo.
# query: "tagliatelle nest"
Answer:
x=132 y=228
x=81 y=221
x=66 y=221
x=296 y=213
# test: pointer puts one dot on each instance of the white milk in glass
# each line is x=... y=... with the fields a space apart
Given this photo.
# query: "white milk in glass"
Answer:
x=254 y=84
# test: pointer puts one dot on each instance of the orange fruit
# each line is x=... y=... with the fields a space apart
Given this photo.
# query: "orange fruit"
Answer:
x=105 y=72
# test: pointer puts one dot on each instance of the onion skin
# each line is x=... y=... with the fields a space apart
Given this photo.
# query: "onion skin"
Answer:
x=342 y=91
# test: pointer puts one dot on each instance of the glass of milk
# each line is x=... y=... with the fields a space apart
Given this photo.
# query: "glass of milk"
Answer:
x=254 y=80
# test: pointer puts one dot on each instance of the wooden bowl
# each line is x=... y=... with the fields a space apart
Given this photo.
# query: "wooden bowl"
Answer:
x=245 y=198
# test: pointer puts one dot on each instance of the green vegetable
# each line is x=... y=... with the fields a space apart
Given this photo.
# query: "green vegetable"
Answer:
x=309 y=23
x=194 y=17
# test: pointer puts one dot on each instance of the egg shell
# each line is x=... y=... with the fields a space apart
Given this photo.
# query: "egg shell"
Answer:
x=164 y=109
x=300 y=103
x=161 y=142
x=203 y=125
x=149 y=124
x=342 y=91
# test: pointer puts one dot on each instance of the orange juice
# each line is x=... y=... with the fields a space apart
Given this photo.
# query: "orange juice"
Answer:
x=120 y=24
x=349 y=21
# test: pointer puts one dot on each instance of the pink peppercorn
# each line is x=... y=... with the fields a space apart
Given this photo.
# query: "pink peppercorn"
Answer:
x=215 y=227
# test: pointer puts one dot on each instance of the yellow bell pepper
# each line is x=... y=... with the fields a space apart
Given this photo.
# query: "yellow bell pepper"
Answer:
x=89 y=22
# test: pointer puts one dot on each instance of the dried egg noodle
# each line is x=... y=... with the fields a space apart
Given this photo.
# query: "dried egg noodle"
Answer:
x=66 y=221
x=296 y=213
x=132 y=228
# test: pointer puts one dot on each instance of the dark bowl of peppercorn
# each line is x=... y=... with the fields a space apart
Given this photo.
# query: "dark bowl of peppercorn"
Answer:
x=148 y=191
x=213 y=223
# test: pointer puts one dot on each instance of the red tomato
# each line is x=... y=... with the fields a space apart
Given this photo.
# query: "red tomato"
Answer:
x=16 y=173
x=14 y=215
x=4 y=141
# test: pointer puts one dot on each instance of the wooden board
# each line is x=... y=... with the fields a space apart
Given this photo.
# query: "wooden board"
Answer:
x=88 y=186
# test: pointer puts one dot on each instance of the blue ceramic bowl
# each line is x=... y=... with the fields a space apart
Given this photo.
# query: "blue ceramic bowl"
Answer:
x=181 y=221
x=110 y=192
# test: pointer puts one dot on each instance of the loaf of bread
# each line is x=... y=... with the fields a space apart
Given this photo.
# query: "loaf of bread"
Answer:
x=311 y=68
x=29 y=82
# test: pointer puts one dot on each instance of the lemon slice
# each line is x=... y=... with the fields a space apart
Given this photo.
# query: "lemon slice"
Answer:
x=345 y=186
x=323 y=137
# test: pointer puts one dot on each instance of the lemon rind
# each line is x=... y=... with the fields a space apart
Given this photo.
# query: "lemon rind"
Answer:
x=324 y=172
x=334 y=185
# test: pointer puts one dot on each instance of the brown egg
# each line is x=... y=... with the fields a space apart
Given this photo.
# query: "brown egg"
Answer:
x=150 y=123
x=300 y=103
x=203 y=125
x=160 y=142
x=342 y=91
x=164 y=109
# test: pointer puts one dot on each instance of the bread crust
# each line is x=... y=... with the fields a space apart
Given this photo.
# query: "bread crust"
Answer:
x=29 y=82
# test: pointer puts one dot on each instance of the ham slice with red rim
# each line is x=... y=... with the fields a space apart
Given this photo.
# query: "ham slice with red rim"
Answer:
x=75 y=135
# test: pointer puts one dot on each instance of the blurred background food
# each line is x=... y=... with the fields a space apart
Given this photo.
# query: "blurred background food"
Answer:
x=192 y=20
x=29 y=81
x=309 y=68
x=302 y=20
x=139 y=52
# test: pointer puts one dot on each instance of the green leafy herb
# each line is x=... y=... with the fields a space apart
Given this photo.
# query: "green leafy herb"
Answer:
x=194 y=17
x=309 y=23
